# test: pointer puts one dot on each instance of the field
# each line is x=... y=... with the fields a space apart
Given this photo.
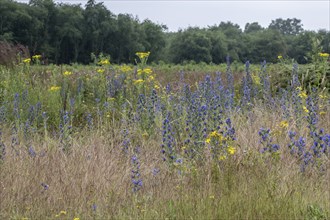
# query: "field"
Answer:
x=147 y=141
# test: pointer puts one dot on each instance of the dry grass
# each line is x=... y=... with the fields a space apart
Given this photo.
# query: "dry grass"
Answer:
x=96 y=171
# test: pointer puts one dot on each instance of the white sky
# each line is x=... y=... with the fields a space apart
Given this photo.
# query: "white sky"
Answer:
x=314 y=15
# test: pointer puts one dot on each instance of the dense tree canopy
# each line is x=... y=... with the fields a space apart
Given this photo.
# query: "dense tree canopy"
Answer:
x=66 y=33
x=288 y=26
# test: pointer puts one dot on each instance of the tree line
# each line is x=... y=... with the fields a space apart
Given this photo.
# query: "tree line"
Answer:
x=70 y=33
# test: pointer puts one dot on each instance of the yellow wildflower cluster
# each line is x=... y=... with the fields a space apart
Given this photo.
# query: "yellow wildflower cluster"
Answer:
x=36 y=57
x=322 y=113
x=60 y=214
x=146 y=71
x=222 y=157
x=100 y=70
x=323 y=96
x=27 y=61
x=305 y=109
x=323 y=54
x=67 y=73
x=322 y=105
x=302 y=94
x=218 y=136
x=54 y=88
x=279 y=56
x=138 y=81
x=256 y=79
x=104 y=62
x=142 y=55
x=146 y=74
x=214 y=134
x=231 y=150
x=125 y=69
x=284 y=124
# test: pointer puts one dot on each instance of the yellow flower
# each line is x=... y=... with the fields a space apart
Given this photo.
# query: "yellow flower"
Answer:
x=279 y=57
x=223 y=157
x=284 y=124
x=231 y=150
x=142 y=55
x=211 y=197
x=151 y=78
x=323 y=113
x=138 y=81
x=156 y=87
x=213 y=134
x=36 y=57
x=256 y=79
x=54 y=88
x=61 y=213
x=27 y=61
x=221 y=138
x=322 y=96
x=302 y=95
x=305 y=109
x=323 y=54
x=76 y=218
x=67 y=73
x=147 y=71
x=125 y=69
x=208 y=140
x=100 y=70
x=104 y=62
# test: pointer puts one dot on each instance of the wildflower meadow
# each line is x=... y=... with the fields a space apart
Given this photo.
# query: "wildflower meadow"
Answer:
x=147 y=141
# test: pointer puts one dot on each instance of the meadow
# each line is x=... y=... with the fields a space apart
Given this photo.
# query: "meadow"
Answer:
x=161 y=141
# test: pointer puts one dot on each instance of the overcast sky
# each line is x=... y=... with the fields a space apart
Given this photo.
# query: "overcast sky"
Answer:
x=174 y=14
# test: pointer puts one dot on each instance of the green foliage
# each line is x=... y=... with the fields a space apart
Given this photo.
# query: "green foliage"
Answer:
x=263 y=45
x=314 y=212
x=315 y=74
x=288 y=26
x=68 y=33
x=253 y=27
x=191 y=44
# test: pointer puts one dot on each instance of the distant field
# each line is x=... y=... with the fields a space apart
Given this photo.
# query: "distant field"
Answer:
x=162 y=141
